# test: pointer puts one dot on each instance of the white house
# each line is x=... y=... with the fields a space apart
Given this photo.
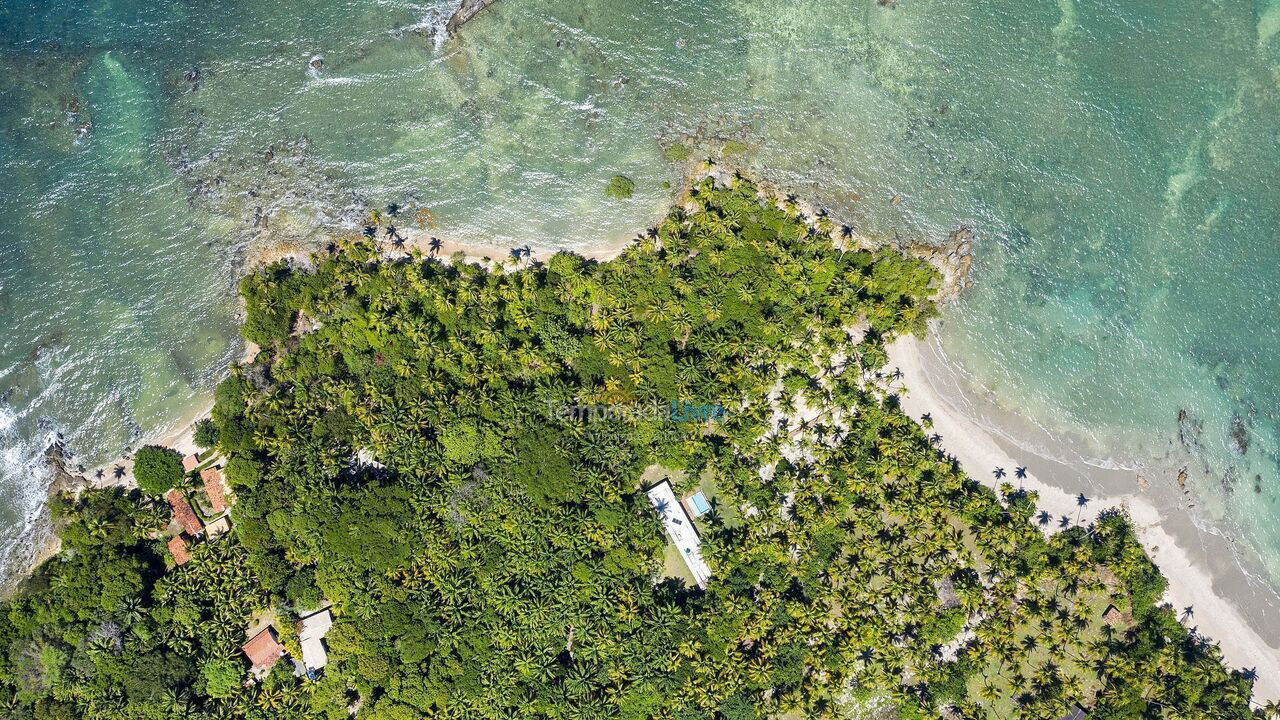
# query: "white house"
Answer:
x=311 y=632
x=680 y=529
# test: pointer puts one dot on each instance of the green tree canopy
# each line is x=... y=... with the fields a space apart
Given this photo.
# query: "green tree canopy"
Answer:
x=620 y=187
x=157 y=469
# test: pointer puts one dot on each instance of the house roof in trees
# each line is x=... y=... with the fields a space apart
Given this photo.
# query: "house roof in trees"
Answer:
x=218 y=527
x=178 y=548
x=214 y=489
x=190 y=462
x=681 y=530
x=1113 y=616
x=311 y=631
x=1077 y=713
x=183 y=513
x=264 y=650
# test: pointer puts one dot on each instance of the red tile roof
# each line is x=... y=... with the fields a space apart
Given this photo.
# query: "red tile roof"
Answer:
x=190 y=462
x=263 y=650
x=178 y=548
x=183 y=513
x=214 y=488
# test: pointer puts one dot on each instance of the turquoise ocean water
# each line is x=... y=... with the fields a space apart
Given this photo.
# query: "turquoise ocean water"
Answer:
x=1120 y=161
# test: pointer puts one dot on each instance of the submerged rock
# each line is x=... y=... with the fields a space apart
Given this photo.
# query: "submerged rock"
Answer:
x=1229 y=480
x=1238 y=436
x=1189 y=431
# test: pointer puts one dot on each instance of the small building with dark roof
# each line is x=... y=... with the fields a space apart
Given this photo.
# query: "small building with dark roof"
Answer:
x=183 y=513
x=214 y=489
x=263 y=650
x=1076 y=713
x=178 y=549
x=1114 y=617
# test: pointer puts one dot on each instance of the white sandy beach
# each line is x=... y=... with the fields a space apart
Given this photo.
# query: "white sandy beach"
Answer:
x=1227 y=609
x=421 y=239
x=1234 y=622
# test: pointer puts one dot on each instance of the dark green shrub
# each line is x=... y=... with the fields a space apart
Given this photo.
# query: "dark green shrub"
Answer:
x=157 y=469
x=242 y=472
x=206 y=434
x=620 y=187
x=677 y=153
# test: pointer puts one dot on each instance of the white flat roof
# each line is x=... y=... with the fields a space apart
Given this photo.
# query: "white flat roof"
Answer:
x=311 y=630
x=680 y=529
x=313 y=654
x=316 y=625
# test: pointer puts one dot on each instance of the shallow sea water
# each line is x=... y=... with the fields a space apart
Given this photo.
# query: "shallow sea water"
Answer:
x=1119 y=161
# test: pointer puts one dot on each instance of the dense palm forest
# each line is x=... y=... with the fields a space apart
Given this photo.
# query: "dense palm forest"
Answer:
x=401 y=448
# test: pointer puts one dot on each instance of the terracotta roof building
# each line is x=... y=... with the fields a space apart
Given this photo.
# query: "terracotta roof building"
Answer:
x=183 y=513
x=178 y=548
x=214 y=489
x=264 y=650
x=190 y=462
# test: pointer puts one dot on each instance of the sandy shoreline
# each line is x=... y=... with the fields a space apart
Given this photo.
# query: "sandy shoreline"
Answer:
x=1230 y=607
x=488 y=254
x=1204 y=569
x=182 y=438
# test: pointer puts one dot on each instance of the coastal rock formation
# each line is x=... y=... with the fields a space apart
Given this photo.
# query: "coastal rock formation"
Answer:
x=63 y=479
x=953 y=259
x=465 y=12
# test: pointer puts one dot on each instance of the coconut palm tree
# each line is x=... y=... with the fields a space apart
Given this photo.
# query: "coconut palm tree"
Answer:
x=435 y=246
x=1081 y=502
x=998 y=473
